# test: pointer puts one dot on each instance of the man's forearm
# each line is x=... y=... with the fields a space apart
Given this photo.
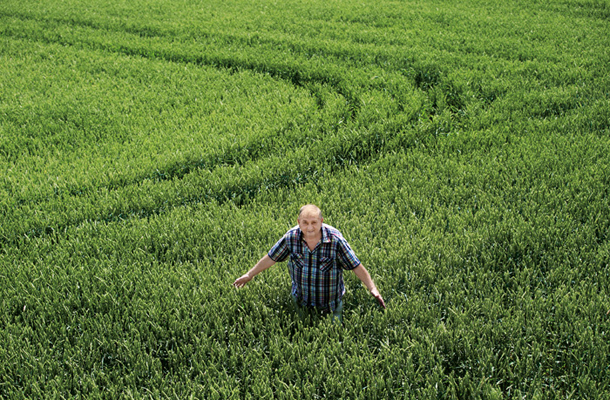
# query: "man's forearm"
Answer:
x=365 y=277
x=261 y=265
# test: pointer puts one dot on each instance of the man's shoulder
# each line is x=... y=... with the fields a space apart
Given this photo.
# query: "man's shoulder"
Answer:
x=331 y=232
x=293 y=232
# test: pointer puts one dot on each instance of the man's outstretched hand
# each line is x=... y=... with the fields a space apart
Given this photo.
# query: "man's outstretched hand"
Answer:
x=377 y=296
x=260 y=266
x=242 y=280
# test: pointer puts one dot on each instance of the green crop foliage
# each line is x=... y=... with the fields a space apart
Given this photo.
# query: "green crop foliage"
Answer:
x=152 y=151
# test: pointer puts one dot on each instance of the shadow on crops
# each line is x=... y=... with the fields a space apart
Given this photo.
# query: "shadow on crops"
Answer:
x=295 y=74
x=141 y=30
x=597 y=9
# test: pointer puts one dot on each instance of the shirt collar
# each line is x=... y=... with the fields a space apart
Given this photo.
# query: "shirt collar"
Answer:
x=325 y=234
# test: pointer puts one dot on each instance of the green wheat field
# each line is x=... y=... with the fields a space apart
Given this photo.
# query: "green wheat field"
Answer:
x=152 y=151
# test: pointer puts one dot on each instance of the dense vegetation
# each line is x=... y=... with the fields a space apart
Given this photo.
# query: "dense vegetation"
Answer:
x=151 y=151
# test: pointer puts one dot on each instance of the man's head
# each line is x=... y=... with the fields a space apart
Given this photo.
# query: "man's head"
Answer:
x=310 y=221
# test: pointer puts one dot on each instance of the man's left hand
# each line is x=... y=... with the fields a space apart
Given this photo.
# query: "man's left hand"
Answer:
x=377 y=296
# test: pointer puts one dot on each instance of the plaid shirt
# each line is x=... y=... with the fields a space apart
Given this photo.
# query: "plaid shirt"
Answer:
x=317 y=278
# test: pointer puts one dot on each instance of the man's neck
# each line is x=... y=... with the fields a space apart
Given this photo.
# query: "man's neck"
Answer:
x=312 y=241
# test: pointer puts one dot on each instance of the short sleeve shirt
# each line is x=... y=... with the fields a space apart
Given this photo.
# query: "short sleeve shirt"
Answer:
x=317 y=278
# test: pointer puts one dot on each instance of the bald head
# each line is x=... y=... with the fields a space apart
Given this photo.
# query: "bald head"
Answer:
x=310 y=222
x=310 y=210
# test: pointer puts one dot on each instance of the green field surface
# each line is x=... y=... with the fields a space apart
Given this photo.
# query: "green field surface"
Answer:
x=152 y=151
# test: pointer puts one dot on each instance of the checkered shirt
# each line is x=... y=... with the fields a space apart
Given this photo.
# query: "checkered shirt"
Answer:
x=317 y=278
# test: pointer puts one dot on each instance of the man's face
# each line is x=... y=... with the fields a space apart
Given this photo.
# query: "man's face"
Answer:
x=310 y=224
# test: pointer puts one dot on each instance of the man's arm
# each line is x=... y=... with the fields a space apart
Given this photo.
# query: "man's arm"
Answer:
x=365 y=277
x=260 y=266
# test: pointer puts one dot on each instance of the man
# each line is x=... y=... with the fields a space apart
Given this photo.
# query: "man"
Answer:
x=318 y=254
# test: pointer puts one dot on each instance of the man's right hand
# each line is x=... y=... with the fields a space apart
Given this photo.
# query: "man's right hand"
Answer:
x=260 y=266
x=242 y=280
